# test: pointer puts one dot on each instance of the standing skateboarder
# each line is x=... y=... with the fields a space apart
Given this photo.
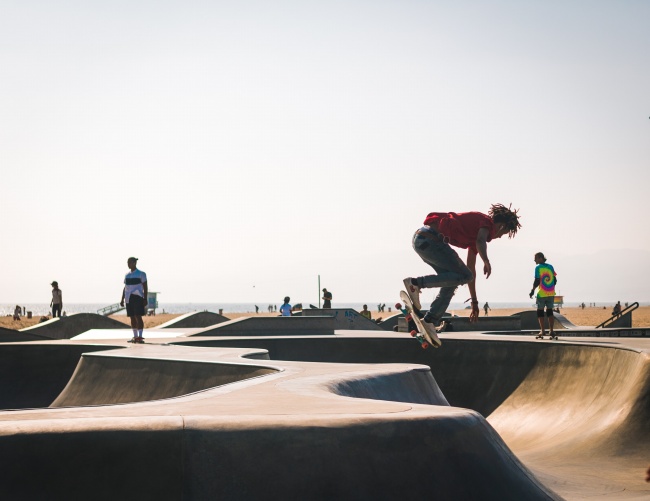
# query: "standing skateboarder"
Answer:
x=135 y=293
x=545 y=280
x=466 y=230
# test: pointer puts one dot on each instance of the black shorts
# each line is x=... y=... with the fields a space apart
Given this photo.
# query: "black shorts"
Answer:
x=135 y=306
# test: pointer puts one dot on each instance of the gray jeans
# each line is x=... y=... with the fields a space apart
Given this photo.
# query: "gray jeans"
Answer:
x=450 y=268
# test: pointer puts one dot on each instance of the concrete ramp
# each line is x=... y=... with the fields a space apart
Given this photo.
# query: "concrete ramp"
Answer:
x=14 y=336
x=390 y=323
x=195 y=319
x=102 y=379
x=273 y=326
x=72 y=325
x=344 y=318
x=33 y=374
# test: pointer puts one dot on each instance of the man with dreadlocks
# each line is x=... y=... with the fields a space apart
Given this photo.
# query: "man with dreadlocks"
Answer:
x=466 y=230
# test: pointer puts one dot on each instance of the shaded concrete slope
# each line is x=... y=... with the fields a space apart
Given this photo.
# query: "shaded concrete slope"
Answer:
x=390 y=323
x=344 y=318
x=273 y=326
x=113 y=379
x=301 y=431
x=194 y=319
x=72 y=325
x=14 y=336
x=33 y=374
x=583 y=405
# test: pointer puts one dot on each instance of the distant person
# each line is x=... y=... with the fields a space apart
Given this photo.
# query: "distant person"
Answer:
x=64 y=314
x=285 y=309
x=616 y=312
x=327 y=299
x=17 y=311
x=545 y=280
x=486 y=307
x=135 y=294
x=365 y=312
x=57 y=300
x=464 y=230
x=257 y=309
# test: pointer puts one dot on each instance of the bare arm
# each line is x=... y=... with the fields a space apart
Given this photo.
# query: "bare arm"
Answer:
x=481 y=246
x=122 y=301
x=471 y=264
x=145 y=287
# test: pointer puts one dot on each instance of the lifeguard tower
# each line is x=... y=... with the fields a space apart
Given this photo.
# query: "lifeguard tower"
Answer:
x=152 y=303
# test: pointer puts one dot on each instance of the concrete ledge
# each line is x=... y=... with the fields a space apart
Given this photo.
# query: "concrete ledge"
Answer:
x=344 y=318
x=273 y=326
x=462 y=324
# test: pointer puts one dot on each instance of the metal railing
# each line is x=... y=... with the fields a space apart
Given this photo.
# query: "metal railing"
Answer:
x=109 y=310
x=613 y=318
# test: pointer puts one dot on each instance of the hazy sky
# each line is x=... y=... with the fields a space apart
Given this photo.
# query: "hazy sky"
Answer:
x=242 y=148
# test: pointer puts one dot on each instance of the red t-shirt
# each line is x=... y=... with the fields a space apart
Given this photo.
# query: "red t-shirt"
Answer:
x=461 y=229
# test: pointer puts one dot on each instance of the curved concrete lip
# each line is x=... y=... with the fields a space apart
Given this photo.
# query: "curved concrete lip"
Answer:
x=321 y=402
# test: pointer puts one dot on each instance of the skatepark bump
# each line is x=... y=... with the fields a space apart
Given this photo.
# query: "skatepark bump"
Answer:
x=102 y=379
x=72 y=325
x=194 y=319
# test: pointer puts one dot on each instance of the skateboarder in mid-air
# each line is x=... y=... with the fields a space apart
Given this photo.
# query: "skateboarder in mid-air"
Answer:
x=466 y=230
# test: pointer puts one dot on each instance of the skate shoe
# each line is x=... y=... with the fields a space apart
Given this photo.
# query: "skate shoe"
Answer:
x=432 y=332
x=414 y=293
x=437 y=325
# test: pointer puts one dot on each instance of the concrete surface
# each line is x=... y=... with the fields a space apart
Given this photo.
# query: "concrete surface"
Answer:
x=344 y=318
x=355 y=415
x=72 y=325
x=194 y=319
x=266 y=326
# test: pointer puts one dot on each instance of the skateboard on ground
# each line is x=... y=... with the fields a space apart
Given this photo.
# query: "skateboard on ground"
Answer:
x=415 y=324
x=550 y=338
x=136 y=341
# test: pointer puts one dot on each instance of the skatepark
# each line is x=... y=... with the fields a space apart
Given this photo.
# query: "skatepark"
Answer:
x=321 y=407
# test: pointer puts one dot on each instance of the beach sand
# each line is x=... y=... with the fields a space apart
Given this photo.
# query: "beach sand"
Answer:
x=587 y=317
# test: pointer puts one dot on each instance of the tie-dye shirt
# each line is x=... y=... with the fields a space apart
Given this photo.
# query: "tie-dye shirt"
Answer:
x=546 y=275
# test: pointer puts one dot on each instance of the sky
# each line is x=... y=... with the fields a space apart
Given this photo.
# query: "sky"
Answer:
x=242 y=149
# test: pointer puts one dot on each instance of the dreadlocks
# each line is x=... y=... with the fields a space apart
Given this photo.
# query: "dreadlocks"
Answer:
x=502 y=214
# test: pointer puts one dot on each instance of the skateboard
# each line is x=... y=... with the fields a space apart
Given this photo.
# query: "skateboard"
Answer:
x=139 y=341
x=550 y=338
x=415 y=325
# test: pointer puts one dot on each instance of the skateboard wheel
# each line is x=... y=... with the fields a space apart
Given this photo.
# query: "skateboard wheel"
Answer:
x=414 y=333
x=425 y=345
x=408 y=317
x=398 y=306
